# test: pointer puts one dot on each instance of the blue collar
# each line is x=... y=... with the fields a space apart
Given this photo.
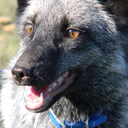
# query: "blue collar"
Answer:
x=93 y=121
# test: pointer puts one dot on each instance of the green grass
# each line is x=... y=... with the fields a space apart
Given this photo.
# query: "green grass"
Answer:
x=8 y=41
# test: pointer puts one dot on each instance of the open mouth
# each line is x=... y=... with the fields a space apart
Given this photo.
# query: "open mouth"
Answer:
x=40 y=98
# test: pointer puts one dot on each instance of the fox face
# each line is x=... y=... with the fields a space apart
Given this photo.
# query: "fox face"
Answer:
x=65 y=53
x=72 y=60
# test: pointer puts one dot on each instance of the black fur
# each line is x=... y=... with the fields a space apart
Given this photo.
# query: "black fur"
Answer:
x=21 y=5
x=96 y=61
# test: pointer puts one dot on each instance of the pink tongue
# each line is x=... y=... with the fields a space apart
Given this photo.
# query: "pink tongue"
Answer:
x=34 y=100
x=34 y=93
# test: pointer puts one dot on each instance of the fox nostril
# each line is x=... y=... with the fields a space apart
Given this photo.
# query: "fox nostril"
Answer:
x=21 y=74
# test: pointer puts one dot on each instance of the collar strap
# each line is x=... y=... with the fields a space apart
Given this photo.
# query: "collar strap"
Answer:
x=93 y=121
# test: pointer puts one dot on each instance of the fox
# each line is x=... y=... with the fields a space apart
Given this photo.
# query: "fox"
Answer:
x=71 y=67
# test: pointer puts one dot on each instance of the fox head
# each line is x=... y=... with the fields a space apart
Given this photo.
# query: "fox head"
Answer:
x=69 y=49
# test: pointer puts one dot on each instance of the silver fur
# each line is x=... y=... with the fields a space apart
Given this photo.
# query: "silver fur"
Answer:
x=92 y=16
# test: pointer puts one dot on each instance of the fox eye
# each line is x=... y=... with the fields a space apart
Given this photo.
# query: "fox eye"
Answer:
x=29 y=28
x=72 y=33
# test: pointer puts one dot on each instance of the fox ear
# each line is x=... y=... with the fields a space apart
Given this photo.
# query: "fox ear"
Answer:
x=21 y=4
x=119 y=9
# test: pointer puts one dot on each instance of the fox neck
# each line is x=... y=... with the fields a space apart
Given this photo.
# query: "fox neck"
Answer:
x=65 y=109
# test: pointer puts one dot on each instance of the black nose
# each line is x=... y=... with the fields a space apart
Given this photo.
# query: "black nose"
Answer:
x=21 y=75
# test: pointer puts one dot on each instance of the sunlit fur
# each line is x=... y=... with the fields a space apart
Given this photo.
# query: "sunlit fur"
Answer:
x=98 y=56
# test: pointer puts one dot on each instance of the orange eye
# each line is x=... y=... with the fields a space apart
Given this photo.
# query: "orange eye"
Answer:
x=73 y=33
x=29 y=28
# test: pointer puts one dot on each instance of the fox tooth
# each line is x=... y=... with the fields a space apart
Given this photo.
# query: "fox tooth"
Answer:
x=60 y=79
x=54 y=85
x=41 y=94
x=65 y=74
x=41 y=97
x=49 y=89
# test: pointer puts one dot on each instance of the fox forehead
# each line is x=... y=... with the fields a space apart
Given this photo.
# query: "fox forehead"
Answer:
x=59 y=8
x=49 y=12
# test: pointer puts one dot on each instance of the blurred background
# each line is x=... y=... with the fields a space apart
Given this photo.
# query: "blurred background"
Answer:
x=8 y=38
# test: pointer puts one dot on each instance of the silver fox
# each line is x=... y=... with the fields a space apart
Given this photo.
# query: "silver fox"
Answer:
x=72 y=62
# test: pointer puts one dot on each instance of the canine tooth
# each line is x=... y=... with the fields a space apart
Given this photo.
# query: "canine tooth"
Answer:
x=41 y=94
x=41 y=97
